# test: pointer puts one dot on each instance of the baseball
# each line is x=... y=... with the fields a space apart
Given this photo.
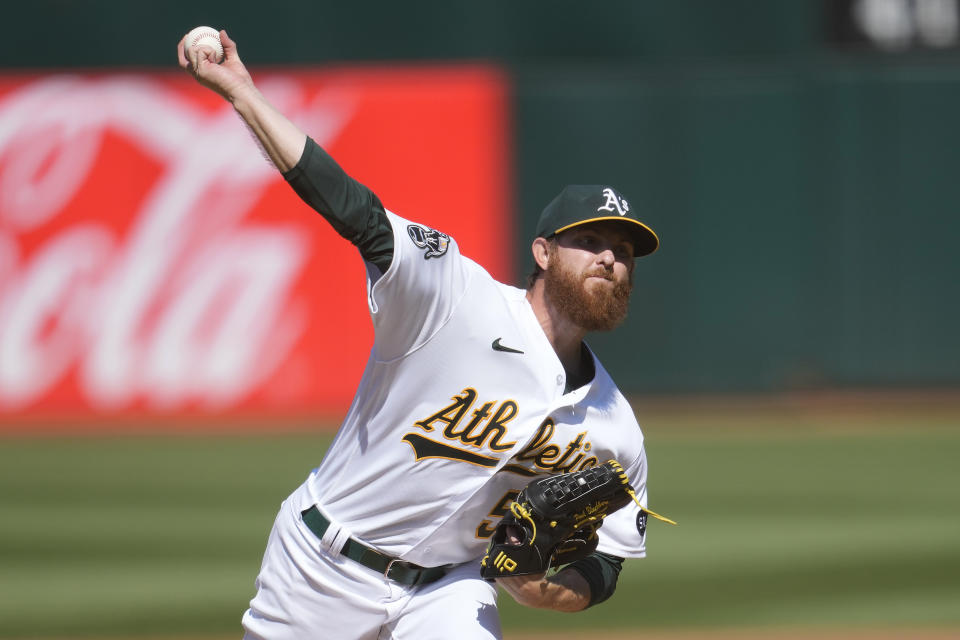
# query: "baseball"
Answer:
x=205 y=36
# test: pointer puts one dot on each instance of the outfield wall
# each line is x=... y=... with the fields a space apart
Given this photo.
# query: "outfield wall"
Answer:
x=800 y=175
x=153 y=261
x=808 y=214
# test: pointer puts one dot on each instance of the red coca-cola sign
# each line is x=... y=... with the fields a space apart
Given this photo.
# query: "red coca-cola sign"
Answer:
x=152 y=261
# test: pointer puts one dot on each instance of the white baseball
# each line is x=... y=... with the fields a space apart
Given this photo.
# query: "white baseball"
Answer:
x=205 y=36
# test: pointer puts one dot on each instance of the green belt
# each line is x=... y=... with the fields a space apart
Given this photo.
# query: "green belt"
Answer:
x=405 y=573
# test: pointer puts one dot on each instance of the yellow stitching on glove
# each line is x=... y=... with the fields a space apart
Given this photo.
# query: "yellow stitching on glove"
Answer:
x=623 y=477
x=645 y=510
x=521 y=512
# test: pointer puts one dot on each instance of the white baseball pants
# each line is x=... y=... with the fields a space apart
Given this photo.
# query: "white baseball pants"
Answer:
x=305 y=592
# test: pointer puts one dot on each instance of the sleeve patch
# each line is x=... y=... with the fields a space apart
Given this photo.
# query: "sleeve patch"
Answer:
x=433 y=243
x=642 y=523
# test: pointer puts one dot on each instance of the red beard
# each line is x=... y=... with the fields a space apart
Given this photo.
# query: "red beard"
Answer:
x=599 y=309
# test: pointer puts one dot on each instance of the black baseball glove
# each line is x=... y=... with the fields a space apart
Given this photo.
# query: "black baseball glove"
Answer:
x=554 y=521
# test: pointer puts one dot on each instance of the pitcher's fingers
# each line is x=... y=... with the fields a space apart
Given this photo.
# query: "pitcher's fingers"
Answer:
x=181 y=58
x=229 y=46
x=193 y=59
x=206 y=53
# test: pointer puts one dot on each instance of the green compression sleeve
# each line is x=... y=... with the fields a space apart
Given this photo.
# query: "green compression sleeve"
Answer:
x=352 y=209
x=601 y=571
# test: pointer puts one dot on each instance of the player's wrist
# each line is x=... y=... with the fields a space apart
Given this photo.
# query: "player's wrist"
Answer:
x=244 y=96
x=563 y=591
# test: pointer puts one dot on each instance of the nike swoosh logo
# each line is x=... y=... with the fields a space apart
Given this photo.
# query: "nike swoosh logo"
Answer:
x=499 y=347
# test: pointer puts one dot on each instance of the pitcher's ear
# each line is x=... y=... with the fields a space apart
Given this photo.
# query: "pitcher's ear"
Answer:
x=541 y=252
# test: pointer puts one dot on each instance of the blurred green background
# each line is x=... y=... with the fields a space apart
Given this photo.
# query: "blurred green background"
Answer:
x=799 y=160
x=805 y=513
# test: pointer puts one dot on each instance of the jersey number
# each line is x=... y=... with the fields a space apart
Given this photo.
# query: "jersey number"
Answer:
x=487 y=527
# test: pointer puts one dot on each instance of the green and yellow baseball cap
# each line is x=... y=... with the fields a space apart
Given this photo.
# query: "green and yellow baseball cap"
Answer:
x=581 y=204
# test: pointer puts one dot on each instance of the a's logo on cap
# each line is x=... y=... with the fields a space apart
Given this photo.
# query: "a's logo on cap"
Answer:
x=613 y=203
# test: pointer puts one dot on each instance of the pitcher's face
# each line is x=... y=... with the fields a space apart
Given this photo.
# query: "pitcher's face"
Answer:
x=590 y=274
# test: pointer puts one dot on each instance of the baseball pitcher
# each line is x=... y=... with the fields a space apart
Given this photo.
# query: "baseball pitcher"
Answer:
x=486 y=444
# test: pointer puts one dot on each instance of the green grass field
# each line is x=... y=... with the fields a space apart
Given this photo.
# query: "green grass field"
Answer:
x=787 y=519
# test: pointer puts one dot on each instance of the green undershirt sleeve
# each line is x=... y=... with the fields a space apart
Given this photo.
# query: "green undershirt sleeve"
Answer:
x=352 y=209
x=601 y=571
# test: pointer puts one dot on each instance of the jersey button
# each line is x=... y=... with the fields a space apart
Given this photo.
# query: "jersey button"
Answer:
x=559 y=379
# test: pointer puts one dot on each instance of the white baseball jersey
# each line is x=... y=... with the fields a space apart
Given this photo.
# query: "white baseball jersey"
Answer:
x=461 y=404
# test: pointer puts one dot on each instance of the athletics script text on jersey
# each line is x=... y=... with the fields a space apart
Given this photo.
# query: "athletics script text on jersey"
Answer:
x=456 y=437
